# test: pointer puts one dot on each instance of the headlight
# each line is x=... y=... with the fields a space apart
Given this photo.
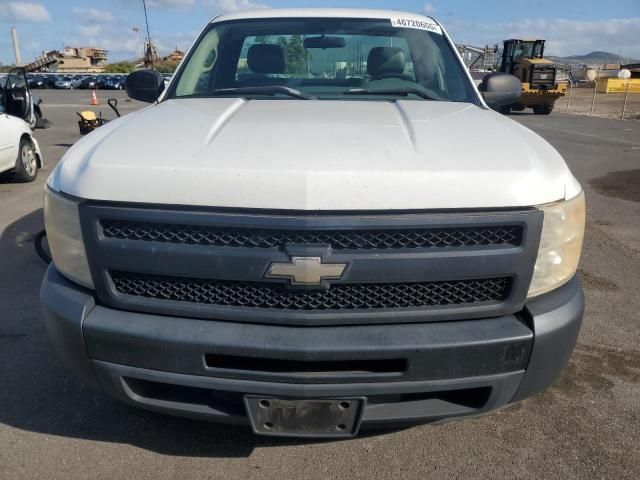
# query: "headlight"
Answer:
x=560 y=245
x=62 y=221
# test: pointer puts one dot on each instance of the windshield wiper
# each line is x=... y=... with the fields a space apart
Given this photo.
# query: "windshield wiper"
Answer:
x=390 y=91
x=265 y=90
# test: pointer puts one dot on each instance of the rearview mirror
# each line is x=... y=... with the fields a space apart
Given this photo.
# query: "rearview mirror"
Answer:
x=324 y=42
x=145 y=85
x=500 y=89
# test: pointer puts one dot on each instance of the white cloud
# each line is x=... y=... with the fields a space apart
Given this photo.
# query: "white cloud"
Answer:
x=19 y=11
x=93 y=23
x=90 y=30
x=120 y=44
x=564 y=37
x=93 y=15
x=429 y=8
x=232 y=6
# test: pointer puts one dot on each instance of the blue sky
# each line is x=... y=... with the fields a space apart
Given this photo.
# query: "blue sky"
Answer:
x=575 y=27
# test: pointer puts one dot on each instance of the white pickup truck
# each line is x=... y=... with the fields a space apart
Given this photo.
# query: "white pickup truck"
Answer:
x=315 y=229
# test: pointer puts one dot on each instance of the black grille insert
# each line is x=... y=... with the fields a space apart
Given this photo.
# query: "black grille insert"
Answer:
x=307 y=367
x=338 y=297
x=369 y=239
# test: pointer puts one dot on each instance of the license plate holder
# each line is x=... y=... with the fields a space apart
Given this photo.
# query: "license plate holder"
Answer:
x=321 y=418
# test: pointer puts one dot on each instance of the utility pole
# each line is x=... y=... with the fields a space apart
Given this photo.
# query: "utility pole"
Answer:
x=136 y=30
x=595 y=92
x=148 y=59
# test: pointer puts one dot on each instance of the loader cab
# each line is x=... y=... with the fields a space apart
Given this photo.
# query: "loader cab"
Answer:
x=516 y=50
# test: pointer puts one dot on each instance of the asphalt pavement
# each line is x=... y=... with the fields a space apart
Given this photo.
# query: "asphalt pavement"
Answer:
x=586 y=426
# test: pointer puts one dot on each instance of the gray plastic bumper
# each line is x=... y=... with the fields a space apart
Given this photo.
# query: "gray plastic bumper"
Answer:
x=452 y=369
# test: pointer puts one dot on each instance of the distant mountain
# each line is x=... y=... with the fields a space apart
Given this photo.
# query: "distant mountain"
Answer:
x=595 y=58
x=595 y=55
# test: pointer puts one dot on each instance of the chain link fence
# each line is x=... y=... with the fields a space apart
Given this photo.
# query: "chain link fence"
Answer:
x=584 y=99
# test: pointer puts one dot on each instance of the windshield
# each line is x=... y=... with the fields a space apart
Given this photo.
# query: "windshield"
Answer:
x=323 y=58
x=528 y=50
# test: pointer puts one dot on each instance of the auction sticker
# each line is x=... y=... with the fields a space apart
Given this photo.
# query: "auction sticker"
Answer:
x=428 y=25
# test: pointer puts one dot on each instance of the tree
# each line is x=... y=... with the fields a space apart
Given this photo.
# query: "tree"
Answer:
x=165 y=66
x=296 y=56
x=120 y=67
x=6 y=68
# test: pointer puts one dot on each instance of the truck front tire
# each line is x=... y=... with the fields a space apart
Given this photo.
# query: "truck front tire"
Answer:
x=545 y=109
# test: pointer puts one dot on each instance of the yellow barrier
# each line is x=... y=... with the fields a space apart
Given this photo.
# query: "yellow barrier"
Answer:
x=617 y=85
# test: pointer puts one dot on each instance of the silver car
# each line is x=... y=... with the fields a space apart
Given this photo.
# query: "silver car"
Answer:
x=64 y=83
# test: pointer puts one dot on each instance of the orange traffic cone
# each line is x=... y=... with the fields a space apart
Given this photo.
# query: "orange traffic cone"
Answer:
x=94 y=99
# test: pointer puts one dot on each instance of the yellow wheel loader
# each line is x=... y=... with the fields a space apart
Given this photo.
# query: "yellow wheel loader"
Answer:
x=540 y=90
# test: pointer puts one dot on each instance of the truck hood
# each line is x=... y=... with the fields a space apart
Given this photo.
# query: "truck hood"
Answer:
x=315 y=155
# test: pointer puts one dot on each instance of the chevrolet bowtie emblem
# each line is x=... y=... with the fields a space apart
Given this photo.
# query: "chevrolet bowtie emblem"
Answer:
x=306 y=271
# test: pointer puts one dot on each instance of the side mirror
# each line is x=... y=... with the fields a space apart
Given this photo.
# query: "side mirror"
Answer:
x=500 y=89
x=145 y=85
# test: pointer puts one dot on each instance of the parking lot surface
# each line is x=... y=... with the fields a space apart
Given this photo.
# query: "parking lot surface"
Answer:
x=586 y=426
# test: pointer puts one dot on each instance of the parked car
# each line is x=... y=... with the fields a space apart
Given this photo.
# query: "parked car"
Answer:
x=122 y=81
x=76 y=79
x=101 y=82
x=49 y=80
x=41 y=81
x=86 y=83
x=308 y=250
x=37 y=81
x=19 y=150
x=110 y=83
x=65 y=83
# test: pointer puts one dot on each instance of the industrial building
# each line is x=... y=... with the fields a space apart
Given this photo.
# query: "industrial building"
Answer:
x=175 y=56
x=82 y=60
x=71 y=60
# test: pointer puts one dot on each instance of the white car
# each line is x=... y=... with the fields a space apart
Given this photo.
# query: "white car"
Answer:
x=64 y=83
x=19 y=150
x=312 y=229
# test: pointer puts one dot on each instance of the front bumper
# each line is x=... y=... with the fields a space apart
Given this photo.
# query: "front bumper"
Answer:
x=409 y=373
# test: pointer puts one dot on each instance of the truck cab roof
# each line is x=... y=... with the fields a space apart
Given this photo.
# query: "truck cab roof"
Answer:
x=318 y=13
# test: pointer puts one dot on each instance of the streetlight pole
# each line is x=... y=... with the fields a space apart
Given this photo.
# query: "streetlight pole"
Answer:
x=136 y=30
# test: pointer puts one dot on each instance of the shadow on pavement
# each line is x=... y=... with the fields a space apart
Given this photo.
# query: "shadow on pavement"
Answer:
x=38 y=395
x=524 y=113
x=7 y=178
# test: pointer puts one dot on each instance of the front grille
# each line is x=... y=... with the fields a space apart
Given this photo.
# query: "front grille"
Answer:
x=402 y=267
x=543 y=77
x=370 y=239
x=338 y=297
